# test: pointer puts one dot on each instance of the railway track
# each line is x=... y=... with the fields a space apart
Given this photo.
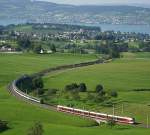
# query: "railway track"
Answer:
x=25 y=99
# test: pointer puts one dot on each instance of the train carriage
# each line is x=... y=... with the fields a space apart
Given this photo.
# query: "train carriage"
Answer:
x=97 y=116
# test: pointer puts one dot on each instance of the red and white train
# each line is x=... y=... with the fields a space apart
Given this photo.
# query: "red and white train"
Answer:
x=96 y=116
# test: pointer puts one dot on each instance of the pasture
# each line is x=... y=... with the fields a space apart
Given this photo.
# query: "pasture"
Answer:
x=128 y=76
x=21 y=115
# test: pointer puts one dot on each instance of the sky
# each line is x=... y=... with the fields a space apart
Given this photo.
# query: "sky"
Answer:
x=99 y=2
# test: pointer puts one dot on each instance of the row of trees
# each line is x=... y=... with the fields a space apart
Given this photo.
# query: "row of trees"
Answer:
x=72 y=91
x=74 y=86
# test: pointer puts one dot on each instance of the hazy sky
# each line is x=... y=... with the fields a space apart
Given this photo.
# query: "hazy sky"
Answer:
x=100 y=2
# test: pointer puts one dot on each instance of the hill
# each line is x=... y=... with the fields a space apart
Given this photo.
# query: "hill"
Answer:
x=46 y=12
x=20 y=115
x=129 y=76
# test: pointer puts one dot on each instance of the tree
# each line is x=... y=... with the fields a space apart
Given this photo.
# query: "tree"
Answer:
x=114 y=53
x=25 y=83
x=24 y=43
x=37 y=82
x=37 y=48
x=82 y=87
x=53 y=48
x=37 y=129
x=114 y=50
x=99 y=88
x=114 y=94
x=40 y=91
x=3 y=126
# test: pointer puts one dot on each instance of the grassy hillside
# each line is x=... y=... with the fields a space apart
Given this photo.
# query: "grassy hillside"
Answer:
x=21 y=115
x=37 y=11
x=14 y=65
x=124 y=75
x=129 y=73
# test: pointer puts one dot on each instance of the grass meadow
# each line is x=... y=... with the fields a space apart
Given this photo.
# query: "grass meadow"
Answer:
x=124 y=75
x=21 y=115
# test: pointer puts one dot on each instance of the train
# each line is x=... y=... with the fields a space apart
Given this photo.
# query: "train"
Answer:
x=96 y=116
x=22 y=94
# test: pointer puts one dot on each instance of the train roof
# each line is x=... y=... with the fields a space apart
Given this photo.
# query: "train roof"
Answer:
x=120 y=117
x=99 y=113
x=128 y=118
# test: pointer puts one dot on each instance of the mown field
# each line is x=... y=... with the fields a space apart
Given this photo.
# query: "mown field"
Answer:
x=21 y=115
x=129 y=73
x=124 y=75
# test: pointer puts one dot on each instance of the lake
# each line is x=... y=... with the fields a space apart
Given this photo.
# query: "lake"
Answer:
x=127 y=28
x=104 y=27
x=123 y=28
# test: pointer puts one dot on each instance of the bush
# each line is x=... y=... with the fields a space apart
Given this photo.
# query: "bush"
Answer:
x=3 y=126
x=37 y=129
x=40 y=91
x=75 y=95
x=70 y=105
x=82 y=87
x=42 y=101
x=99 y=88
x=52 y=92
x=71 y=87
x=37 y=82
x=111 y=122
x=114 y=94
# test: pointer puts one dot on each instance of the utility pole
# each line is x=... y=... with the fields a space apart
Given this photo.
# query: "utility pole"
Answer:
x=113 y=110
x=147 y=121
x=122 y=108
x=83 y=113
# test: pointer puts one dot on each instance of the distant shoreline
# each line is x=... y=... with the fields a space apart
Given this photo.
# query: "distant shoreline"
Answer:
x=105 y=27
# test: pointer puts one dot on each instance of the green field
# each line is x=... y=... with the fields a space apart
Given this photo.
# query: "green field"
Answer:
x=123 y=75
x=14 y=65
x=21 y=115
